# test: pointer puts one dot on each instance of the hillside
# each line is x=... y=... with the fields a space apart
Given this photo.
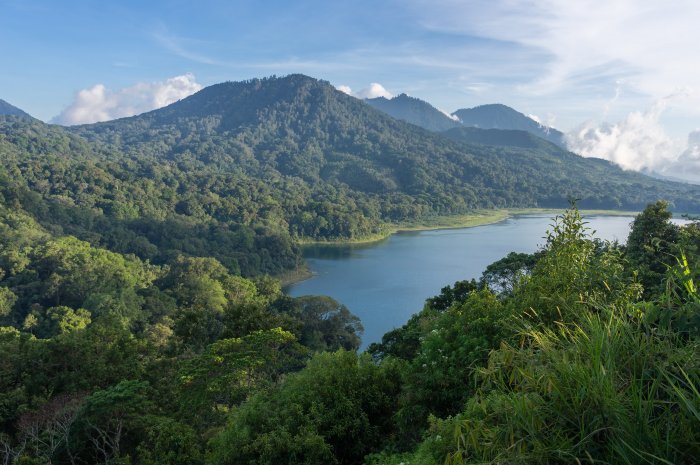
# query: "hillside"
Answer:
x=502 y=137
x=414 y=111
x=497 y=116
x=9 y=110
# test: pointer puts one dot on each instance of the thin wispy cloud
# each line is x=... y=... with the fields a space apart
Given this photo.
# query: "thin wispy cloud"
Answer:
x=649 y=42
x=99 y=103
x=176 y=45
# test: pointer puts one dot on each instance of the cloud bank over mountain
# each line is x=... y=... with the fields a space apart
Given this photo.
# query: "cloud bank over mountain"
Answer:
x=99 y=103
x=639 y=142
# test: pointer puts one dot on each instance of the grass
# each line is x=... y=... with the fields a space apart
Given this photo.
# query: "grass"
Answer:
x=603 y=390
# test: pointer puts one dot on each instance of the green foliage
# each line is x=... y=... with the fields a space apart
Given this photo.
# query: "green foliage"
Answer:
x=574 y=275
x=7 y=301
x=231 y=369
x=326 y=325
x=603 y=390
x=441 y=376
x=504 y=275
x=63 y=319
x=132 y=338
x=334 y=411
x=168 y=442
x=450 y=295
x=650 y=245
x=404 y=342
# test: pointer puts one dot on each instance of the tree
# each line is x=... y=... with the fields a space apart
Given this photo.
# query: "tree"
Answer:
x=231 y=369
x=325 y=323
x=651 y=245
x=453 y=347
x=334 y=411
x=62 y=319
x=48 y=430
x=7 y=301
x=503 y=275
x=112 y=417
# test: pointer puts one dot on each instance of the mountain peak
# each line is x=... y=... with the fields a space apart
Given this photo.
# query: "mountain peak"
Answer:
x=415 y=111
x=499 y=116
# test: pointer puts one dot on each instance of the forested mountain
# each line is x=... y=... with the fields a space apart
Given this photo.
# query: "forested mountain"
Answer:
x=414 y=111
x=497 y=116
x=133 y=205
x=300 y=133
x=10 y=110
x=238 y=171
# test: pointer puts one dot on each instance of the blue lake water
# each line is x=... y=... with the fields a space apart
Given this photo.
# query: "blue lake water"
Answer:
x=384 y=283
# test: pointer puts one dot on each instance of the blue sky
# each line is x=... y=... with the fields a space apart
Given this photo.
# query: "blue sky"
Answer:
x=618 y=75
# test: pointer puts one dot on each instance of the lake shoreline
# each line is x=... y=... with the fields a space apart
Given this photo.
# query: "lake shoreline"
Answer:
x=385 y=283
x=472 y=220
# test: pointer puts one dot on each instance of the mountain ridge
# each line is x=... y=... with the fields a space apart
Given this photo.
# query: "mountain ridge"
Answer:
x=499 y=116
x=414 y=111
x=310 y=130
x=7 y=109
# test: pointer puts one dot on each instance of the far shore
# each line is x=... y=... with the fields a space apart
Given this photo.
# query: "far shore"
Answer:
x=470 y=220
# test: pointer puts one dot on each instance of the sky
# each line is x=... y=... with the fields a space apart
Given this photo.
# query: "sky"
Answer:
x=620 y=77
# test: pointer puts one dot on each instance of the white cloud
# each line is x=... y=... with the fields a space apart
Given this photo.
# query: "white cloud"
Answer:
x=452 y=117
x=637 y=50
x=640 y=143
x=98 y=103
x=373 y=91
x=688 y=164
x=637 y=142
x=535 y=118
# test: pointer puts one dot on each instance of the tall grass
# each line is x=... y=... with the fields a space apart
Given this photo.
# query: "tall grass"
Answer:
x=604 y=390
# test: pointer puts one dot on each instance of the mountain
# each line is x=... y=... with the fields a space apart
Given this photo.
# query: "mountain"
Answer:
x=303 y=134
x=414 y=111
x=241 y=171
x=9 y=110
x=497 y=116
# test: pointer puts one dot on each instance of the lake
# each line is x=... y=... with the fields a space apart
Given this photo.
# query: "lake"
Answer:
x=384 y=283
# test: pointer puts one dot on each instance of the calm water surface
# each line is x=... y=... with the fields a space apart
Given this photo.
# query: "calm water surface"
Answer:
x=385 y=283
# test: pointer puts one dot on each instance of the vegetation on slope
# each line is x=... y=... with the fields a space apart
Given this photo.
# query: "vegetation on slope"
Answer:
x=581 y=352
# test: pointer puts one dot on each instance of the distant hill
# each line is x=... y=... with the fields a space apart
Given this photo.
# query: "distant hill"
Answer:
x=497 y=116
x=10 y=110
x=414 y=111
